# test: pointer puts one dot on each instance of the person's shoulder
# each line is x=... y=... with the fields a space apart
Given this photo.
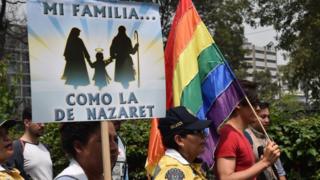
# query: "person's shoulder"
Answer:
x=172 y=172
x=66 y=177
x=227 y=131
x=168 y=161
x=73 y=171
x=14 y=174
x=170 y=168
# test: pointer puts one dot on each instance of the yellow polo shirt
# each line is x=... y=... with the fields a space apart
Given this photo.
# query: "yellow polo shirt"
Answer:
x=173 y=166
x=13 y=174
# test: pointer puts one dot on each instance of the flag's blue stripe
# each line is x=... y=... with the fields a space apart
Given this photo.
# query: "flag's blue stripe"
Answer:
x=216 y=82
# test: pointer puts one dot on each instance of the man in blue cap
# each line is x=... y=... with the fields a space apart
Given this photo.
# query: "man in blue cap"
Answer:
x=183 y=136
x=6 y=151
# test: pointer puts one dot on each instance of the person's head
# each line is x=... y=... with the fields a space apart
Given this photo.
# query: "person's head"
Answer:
x=33 y=129
x=183 y=132
x=6 y=149
x=75 y=32
x=117 y=124
x=99 y=56
x=82 y=141
x=243 y=109
x=122 y=30
x=264 y=115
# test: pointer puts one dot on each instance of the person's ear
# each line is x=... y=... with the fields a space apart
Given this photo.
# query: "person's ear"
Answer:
x=27 y=122
x=179 y=140
x=78 y=146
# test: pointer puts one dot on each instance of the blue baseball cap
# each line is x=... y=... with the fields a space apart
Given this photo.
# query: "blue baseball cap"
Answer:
x=179 y=118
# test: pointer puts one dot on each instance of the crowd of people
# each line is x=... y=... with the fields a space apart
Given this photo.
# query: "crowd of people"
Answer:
x=29 y=159
x=243 y=150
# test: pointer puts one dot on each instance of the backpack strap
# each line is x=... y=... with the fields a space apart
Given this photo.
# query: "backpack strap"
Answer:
x=247 y=135
x=18 y=158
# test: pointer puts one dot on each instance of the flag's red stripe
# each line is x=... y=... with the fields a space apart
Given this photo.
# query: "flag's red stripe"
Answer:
x=181 y=32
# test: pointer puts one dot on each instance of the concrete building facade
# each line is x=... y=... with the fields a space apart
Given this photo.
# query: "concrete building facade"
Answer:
x=19 y=70
x=261 y=59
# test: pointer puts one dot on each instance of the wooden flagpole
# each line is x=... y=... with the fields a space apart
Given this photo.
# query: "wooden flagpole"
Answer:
x=105 y=150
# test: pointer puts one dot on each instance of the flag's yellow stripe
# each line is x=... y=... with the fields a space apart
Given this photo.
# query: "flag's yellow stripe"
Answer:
x=187 y=66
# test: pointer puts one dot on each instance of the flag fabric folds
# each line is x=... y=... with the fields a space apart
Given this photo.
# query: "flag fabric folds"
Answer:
x=197 y=75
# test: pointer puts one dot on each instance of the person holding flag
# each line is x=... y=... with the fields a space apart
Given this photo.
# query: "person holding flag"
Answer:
x=197 y=77
x=258 y=140
x=234 y=158
x=183 y=136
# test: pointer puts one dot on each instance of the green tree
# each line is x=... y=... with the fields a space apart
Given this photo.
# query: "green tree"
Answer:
x=267 y=89
x=297 y=132
x=298 y=23
x=136 y=136
x=298 y=139
x=224 y=19
x=7 y=103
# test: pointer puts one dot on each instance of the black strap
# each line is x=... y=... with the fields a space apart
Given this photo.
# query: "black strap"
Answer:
x=17 y=159
x=247 y=135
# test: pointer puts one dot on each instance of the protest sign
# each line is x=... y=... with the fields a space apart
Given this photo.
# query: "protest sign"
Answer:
x=86 y=58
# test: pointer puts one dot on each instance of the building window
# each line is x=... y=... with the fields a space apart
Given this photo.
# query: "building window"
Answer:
x=26 y=80
x=25 y=57
x=25 y=68
x=26 y=91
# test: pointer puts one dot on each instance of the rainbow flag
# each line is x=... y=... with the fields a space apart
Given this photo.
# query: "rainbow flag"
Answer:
x=197 y=76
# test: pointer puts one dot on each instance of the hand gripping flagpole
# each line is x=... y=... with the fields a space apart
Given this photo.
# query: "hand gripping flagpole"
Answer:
x=136 y=36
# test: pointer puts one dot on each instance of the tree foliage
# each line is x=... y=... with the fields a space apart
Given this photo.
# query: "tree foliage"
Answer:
x=224 y=19
x=297 y=133
x=299 y=25
x=267 y=89
x=7 y=94
x=136 y=136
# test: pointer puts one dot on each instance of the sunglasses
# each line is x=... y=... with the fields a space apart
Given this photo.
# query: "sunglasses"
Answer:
x=201 y=132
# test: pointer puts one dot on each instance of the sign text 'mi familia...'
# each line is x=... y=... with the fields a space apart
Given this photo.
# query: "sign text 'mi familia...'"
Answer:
x=92 y=60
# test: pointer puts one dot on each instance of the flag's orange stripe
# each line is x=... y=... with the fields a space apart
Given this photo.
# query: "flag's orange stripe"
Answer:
x=184 y=32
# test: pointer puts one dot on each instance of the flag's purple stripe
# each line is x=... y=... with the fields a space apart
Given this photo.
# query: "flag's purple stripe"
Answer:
x=216 y=82
x=211 y=144
x=224 y=105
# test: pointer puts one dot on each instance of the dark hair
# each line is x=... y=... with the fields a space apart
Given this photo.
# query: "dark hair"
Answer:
x=168 y=140
x=250 y=89
x=26 y=114
x=76 y=131
x=264 y=105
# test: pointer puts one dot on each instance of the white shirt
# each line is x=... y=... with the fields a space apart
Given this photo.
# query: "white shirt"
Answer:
x=120 y=169
x=1 y=168
x=37 y=161
x=72 y=172
x=176 y=155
